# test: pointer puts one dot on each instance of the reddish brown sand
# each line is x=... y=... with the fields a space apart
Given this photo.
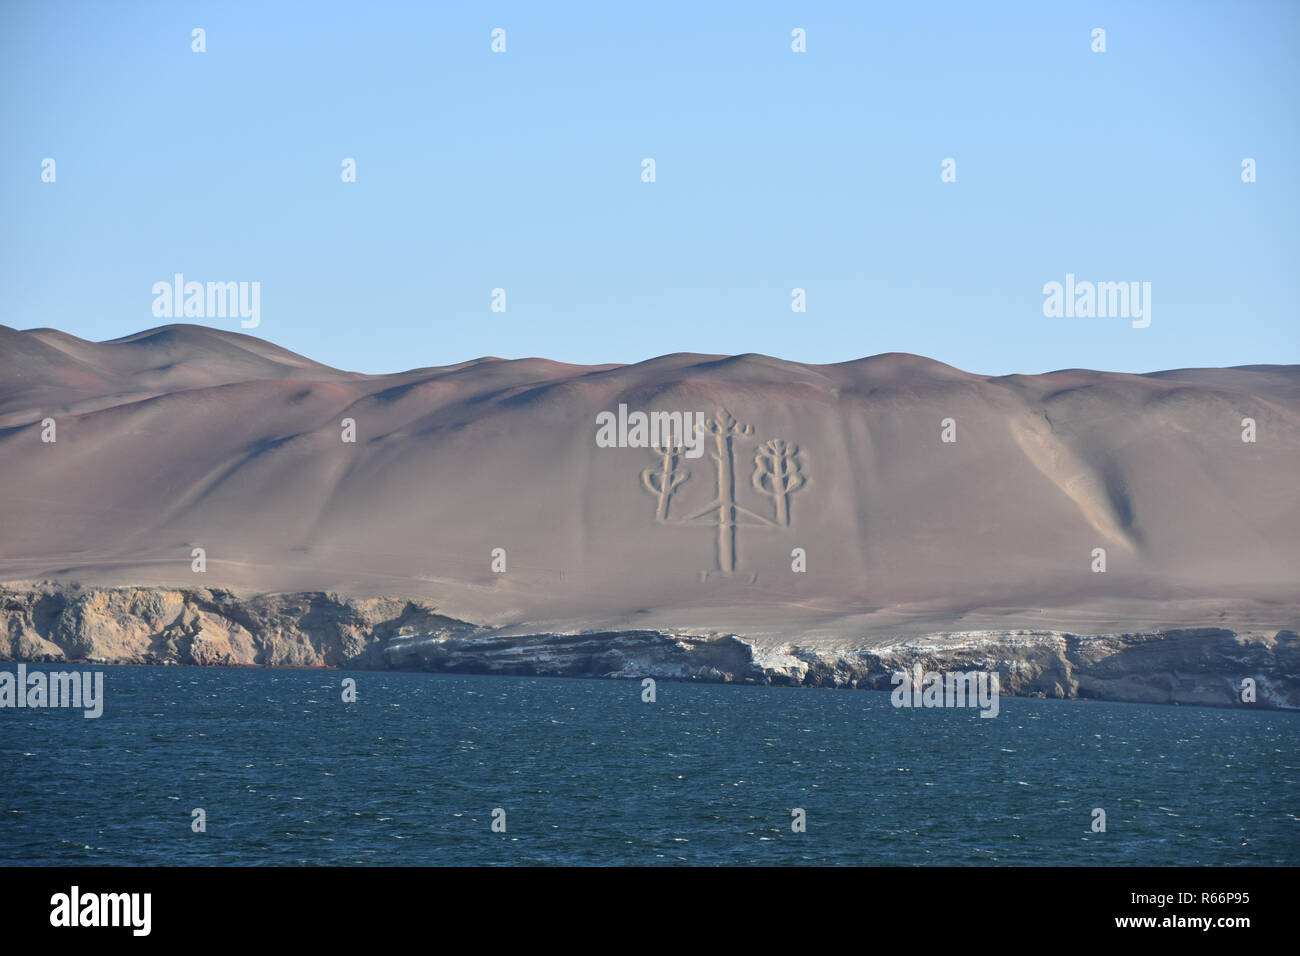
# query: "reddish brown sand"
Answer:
x=185 y=437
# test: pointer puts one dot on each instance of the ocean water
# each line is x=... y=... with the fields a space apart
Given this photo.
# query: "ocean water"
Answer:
x=588 y=773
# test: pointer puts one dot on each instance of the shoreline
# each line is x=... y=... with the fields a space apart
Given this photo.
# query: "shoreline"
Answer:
x=748 y=683
x=52 y=624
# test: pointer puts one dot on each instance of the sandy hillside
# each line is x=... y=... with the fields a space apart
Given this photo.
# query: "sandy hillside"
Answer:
x=185 y=437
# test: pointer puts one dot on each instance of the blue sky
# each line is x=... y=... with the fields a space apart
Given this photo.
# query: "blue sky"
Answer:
x=774 y=170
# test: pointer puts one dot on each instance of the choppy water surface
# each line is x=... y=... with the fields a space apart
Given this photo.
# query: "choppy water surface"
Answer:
x=588 y=773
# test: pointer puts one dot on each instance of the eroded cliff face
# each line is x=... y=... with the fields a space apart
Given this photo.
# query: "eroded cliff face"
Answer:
x=1204 y=666
x=57 y=622
x=206 y=626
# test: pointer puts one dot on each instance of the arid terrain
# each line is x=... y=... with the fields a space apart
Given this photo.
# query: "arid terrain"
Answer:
x=827 y=532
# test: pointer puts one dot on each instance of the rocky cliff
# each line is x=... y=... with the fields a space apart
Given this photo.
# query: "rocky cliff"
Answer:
x=57 y=622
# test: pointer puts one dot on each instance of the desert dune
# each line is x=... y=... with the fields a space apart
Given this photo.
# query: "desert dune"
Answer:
x=186 y=437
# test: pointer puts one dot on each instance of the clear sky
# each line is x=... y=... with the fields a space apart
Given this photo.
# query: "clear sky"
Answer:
x=522 y=170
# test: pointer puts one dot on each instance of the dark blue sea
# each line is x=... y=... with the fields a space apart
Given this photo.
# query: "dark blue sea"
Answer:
x=587 y=773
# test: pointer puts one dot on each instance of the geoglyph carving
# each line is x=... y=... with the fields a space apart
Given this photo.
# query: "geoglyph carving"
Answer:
x=777 y=474
x=668 y=475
